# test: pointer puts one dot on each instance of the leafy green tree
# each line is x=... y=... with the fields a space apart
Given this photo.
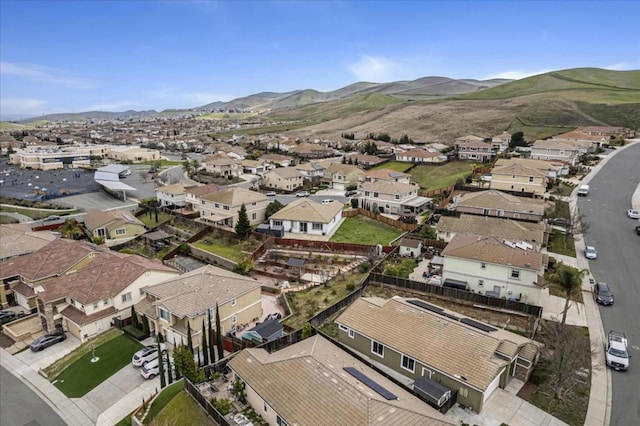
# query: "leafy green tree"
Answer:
x=307 y=331
x=223 y=405
x=273 y=207
x=243 y=226
x=186 y=365
x=237 y=390
x=204 y=345
x=70 y=229
x=219 y=334
x=189 y=338
x=428 y=232
x=517 y=139
x=163 y=382
x=569 y=279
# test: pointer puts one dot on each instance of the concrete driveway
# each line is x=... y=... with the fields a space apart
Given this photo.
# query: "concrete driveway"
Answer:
x=46 y=357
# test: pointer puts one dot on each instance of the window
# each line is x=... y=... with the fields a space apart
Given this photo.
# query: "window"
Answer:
x=513 y=176
x=375 y=195
x=73 y=302
x=343 y=328
x=217 y=205
x=264 y=406
x=105 y=302
x=316 y=226
x=95 y=305
x=225 y=207
x=515 y=274
x=234 y=319
x=463 y=392
x=277 y=223
x=254 y=216
x=366 y=193
x=121 y=231
x=530 y=178
x=377 y=348
x=485 y=212
x=408 y=363
x=281 y=422
x=352 y=333
x=253 y=204
x=483 y=266
x=233 y=302
x=397 y=197
x=202 y=202
x=480 y=283
x=126 y=297
x=142 y=292
x=164 y=315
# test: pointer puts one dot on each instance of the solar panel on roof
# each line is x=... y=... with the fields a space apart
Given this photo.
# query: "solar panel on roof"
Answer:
x=451 y=316
x=478 y=325
x=426 y=306
x=367 y=381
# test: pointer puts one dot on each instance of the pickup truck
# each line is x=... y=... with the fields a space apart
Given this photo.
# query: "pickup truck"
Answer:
x=615 y=351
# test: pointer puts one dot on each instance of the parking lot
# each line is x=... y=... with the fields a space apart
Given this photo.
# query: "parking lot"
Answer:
x=40 y=184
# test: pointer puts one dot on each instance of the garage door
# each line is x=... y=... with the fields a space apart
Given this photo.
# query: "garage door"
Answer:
x=492 y=387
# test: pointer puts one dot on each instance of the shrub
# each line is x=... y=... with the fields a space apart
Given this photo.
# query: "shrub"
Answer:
x=350 y=287
x=222 y=405
x=364 y=267
x=539 y=375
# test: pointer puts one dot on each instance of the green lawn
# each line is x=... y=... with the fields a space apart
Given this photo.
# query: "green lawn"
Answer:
x=561 y=244
x=398 y=166
x=233 y=250
x=150 y=220
x=183 y=410
x=163 y=399
x=435 y=177
x=83 y=375
x=362 y=230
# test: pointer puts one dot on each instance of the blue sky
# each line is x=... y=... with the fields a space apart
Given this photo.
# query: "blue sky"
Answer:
x=72 y=56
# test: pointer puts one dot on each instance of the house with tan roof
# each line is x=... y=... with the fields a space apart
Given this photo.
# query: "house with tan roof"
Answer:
x=278 y=159
x=287 y=179
x=307 y=151
x=419 y=155
x=305 y=216
x=552 y=169
x=534 y=233
x=385 y=174
x=183 y=301
x=193 y=194
x=500 y=204
x=18 y=240
x=315 y=382
x=444 y=349
x=312 y=171
x=519 y=178
x=86 y=302
x=133 y=154
x=392 y=197
x=474 y=150
x=222 y=165
x=364 y=160
x=171 y=195
x=256 y=167
x=555 y=150
x=340 y=176
x=495 y=267
x=500 y=143
x=222 y=207
x=61 y=256
x=609 y=131
x=113 y=224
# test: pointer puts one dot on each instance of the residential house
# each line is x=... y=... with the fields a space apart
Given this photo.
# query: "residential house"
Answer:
x=18 y=240
x=286 y=179
x=475 y=150
x=385 y=174
x=222 y=165
x=184 y=301
x=500 y=204
x=552 y=169
x=266 y=331
x=609 y=131
x=432 y=346
x=278 y=159
x=468 y=138
x=305 y=216
x=534 y=233
x=341 y=176
x=585 y=143
x=282 y=145
x=113 y=224
x=309 y=151
x=85 y=303
x=315 y=382
x=193 y=194
x=500 y=143
x=171 y=195
x=61 y=256
x=222 y=207
x=495 y=267
x=312 y=171
x=133 y=154
x=419 y=155
x=392 y=197
x=555 y=150
x=519 y=178
x=410 y=247
x=256 y=167
x=364 y=160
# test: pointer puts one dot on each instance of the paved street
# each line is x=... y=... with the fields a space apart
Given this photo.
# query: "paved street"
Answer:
x=618 y=264
x=20 y=406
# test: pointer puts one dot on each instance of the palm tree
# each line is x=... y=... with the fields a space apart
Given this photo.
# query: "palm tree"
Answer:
x=570 y=280
x=70 y=229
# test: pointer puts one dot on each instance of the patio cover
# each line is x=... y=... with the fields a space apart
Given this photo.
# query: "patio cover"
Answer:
x=432 y=390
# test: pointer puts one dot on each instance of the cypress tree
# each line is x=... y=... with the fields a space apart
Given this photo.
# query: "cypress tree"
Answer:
x=169 y=372
x=145 y=325
x=189 y=339
x=205 y=347
x=212 y=353
x=219 y=334
x=163 y=381
x=134 y=318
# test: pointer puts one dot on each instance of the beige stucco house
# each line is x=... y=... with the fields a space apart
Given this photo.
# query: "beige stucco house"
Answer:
x=393 y=197
x=287 y=179
x=305 y=216
x=534 y=233
x=171 y=195
x=133 y=154
x=518 y=178
x=222 y=207
x=500 y=204
x=340 y=176
x=555 y=150
x=113 y=224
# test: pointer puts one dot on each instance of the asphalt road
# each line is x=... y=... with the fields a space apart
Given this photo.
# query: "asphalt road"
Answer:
x=618 y=264
x=20 y=406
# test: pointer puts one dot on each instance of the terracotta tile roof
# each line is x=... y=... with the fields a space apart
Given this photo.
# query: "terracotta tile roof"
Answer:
x=24 y=289
x=580 y=136
x=106 y=276
x=309 y=211
x=80 y=318
x=447 y=345
x=193 y=293
x=512 y=230
x=305 y=383
x=54 y=259
x=146 y=307
x=492 y=250
x=493 y=199
x=19 y=239
x=235 y=197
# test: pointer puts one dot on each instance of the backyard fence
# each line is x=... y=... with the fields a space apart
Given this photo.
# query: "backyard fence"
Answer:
x=379 y=218
x=204 y=403
x=454 y=293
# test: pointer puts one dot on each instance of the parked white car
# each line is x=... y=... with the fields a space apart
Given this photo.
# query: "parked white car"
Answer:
x=146 y=355
x=152 y=368
x=633 y=214
x=590 y=252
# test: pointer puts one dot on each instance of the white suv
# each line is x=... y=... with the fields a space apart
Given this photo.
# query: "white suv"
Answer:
x=152 y=368
x=147 y=354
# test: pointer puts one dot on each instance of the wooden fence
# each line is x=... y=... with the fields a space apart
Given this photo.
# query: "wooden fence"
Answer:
x=328 y=246
x=455 y=294
x=380 y=218
x=204 y=403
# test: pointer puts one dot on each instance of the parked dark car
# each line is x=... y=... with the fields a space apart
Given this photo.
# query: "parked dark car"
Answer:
x=559 y=221
x=603 y=294
x=638 y=230
x=8 y=316
x=47 y=340
x=350 y=193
